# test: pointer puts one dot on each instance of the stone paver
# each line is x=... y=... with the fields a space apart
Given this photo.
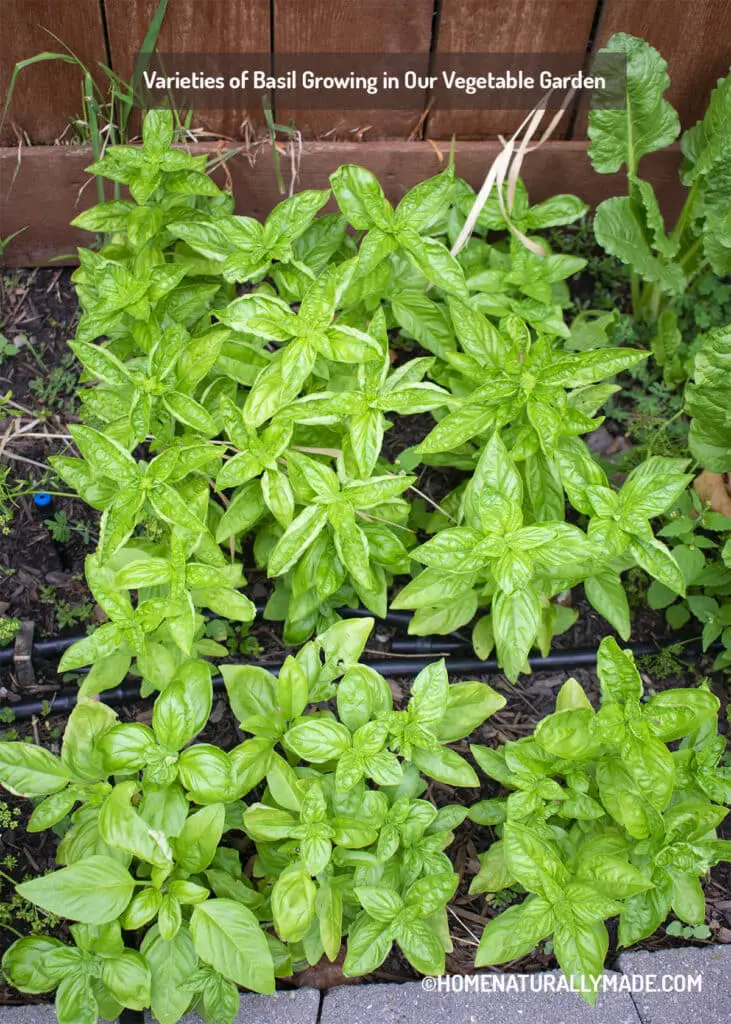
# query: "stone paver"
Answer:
x=43 y=1014
x=712 y=1005
x=509 y=999
x=299 y=1007
x=411 y=1004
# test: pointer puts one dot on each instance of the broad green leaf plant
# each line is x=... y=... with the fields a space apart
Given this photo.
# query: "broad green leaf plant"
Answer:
x=603 y=820
x=632 y=227
x=223 y=423
x=346 y=841
x=698 y=534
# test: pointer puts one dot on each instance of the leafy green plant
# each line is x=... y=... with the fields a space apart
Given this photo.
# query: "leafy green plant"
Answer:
x=8 y=629
x=603 y=819
x=59 y=527
x=515 y=551
x=700 y=540
x=632 y=227
x=688 y=931
x=345 y=844
x=220 y=428
x=275 y=416
x=706 y=401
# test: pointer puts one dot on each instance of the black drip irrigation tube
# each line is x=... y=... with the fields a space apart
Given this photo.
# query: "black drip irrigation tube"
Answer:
x=44 y=649
x=129 y=692
x=407 y=657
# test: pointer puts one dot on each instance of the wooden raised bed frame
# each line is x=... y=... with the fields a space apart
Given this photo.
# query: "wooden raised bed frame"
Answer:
x=42 y=188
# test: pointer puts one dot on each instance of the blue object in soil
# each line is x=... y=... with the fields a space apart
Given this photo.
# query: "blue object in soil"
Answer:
x=42 y=500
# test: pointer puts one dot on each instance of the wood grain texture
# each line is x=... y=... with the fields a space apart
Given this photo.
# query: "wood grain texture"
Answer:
x=47 y=192
x=46 y=94
x=694 y=37
x=354 y=26
x=194 y=26
x=497 y=26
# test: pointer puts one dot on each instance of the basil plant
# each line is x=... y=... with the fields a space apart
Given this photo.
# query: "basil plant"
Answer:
x=155 y=824
x=222 y=426
x=603 y=819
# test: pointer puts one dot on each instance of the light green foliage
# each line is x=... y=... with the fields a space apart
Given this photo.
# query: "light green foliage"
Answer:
x=603 y=819
x=513 y=546
x=222 y=426
x=700 y=540
x=8 y=628
x=707 y=402
x=269 y=411
x=342 y=831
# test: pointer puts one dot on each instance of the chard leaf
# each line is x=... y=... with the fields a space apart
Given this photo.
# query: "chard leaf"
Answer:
x=646 y=123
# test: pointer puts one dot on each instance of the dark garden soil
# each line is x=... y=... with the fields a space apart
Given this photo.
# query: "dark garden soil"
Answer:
x=41 y=579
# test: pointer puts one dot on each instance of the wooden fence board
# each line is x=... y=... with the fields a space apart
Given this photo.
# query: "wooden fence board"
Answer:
x=46 y=94
x=194 y=26
x=493 y=26
x=45 y=212
x=693 y=37
x=354 y=26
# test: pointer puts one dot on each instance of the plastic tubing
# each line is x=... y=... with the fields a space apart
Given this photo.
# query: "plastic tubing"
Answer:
x=56 y=646
x=130 y=692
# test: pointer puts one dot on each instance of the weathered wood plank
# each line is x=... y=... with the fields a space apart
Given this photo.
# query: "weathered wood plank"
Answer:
x=354 y=27
x=194 y=26
x=47 y=191
x=494 y=26
x=694 y=38
x=49 y=93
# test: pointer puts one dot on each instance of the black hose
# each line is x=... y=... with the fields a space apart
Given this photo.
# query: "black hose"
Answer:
x=51 y=648
x=386 y=666
x=433 y=645
x=42 y=648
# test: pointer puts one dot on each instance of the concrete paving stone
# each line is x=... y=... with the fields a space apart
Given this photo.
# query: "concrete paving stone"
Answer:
x=301 y=1006
x=710 y=1005
x=412 y=1004
x=42 y=1014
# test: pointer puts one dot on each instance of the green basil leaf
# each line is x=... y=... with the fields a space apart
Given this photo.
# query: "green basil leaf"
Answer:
x=361 y=197
x=318 y=739
x=171 y=965
x=94 y=889
x=28 y=770
x=293 y=903
x=445 y=766
x=182 y=709
x=420 y=945
x=369 y=943
x=207 y=773
x=122 y=828
x=127 y=977
x=468 y=706
x=37 y=963
x=227 y=936
x=87 y=725
x=515 y=932
x=75 y=1001
x=516 y=619
x=672 y=714
x=198 y=841
x=530 y=859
